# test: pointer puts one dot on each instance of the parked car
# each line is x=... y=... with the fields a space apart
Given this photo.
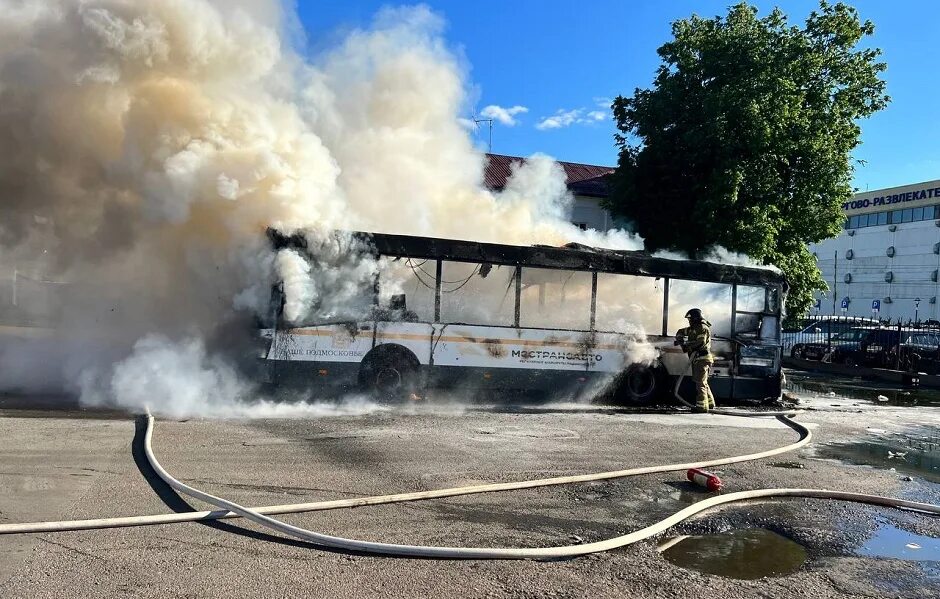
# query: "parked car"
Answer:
x=907 y=349
x=821 y=328
x=818 y=350
x=921 y=352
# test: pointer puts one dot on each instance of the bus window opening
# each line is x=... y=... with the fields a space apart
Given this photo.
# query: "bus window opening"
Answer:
x=475 y=293
x=627 y=303
x=555 y=299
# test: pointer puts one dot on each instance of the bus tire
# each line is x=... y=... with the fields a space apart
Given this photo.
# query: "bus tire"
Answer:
x=639 y=384
x=389 y=372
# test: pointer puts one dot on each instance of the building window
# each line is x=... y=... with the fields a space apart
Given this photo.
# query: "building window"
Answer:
x=893 y=217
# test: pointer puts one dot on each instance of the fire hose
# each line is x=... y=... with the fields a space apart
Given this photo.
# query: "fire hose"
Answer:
x=261 y=515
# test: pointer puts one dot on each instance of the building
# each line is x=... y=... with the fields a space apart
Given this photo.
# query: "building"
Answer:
x=887 y=259
x=588 y=183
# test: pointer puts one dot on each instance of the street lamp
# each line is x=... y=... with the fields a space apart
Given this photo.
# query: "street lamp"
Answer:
x=916 y=306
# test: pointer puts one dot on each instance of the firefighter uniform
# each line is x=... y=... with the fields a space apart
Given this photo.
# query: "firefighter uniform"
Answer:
x=696 y=341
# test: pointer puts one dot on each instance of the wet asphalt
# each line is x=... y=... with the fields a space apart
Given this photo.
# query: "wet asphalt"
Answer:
x=80 y=464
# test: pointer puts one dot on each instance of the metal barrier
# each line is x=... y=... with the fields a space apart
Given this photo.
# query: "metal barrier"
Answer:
x=853 y=341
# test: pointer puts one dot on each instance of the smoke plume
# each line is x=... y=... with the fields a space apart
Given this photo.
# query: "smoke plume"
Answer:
x=148 y=145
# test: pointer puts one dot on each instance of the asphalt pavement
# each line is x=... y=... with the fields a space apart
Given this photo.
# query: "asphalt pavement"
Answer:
x=72 y=464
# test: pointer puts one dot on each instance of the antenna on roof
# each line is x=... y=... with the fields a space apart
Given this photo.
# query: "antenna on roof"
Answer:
x=489 y=147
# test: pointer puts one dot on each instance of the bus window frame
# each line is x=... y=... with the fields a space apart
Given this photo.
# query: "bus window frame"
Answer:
x=439 y=271
x=593 y=304
x=517 y=309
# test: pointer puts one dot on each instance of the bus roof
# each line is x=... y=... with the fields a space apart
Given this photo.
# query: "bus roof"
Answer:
x=571 y=256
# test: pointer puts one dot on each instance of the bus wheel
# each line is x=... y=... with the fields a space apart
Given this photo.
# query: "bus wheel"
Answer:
x=389 y=372
x=639 y=384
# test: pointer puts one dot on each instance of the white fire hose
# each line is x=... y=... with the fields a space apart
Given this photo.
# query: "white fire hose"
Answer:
x=260 y=515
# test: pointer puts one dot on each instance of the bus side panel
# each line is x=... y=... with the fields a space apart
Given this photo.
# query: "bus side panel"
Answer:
x=416 y=336
x=326 y=354
x=327 y=343
x=527 y=349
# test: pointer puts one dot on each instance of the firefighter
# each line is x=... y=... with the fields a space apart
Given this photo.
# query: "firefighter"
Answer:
x=696 y=341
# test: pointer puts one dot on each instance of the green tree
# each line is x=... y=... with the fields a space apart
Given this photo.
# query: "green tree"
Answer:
x=745 y=139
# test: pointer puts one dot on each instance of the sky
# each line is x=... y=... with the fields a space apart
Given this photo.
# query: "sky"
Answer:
x=545 y=71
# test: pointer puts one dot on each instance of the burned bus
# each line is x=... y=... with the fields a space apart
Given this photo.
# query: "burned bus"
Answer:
x=570 y=321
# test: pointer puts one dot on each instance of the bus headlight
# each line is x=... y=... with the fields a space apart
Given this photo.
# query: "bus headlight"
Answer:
x=757 y=359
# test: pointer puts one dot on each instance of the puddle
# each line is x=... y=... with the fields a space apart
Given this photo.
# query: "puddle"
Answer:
x=841 y=389
x=892 y=542
x=744 y=554
x=915 y=452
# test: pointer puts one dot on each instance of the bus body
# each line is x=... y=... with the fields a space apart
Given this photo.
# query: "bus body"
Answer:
x=560 y=321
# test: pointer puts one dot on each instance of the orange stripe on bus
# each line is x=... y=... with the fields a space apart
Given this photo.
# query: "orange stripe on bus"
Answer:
x=452 y=339
x=311 y=332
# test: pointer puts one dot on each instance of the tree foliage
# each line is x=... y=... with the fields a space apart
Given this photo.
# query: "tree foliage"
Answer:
x=745 y=138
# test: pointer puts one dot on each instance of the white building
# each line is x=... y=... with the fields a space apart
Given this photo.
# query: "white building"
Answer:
x=888 y=255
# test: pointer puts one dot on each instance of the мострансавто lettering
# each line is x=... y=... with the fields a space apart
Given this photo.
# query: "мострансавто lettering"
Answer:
x=553 y=355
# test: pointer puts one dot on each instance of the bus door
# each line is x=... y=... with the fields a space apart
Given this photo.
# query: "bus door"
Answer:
x=756 y=331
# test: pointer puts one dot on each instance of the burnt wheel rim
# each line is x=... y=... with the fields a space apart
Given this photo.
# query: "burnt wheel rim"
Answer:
x=388 y=379
x=641 y=382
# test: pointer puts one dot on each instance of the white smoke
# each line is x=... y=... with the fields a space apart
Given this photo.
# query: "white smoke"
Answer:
x=300 y=293
x=719 y=255
x=180 y=379
x=148 y=145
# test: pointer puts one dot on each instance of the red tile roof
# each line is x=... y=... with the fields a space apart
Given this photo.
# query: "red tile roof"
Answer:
x=582 y=179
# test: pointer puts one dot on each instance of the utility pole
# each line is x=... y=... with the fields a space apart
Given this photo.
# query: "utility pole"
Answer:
x=489 y=145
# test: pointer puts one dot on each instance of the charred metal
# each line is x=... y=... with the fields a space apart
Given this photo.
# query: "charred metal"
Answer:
x=570 y=256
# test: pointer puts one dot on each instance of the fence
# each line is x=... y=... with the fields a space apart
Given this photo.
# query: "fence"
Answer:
x=899 y=345
x=29 y=299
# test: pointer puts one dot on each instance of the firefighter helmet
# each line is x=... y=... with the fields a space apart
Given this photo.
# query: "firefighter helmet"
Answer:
x=695 y=315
